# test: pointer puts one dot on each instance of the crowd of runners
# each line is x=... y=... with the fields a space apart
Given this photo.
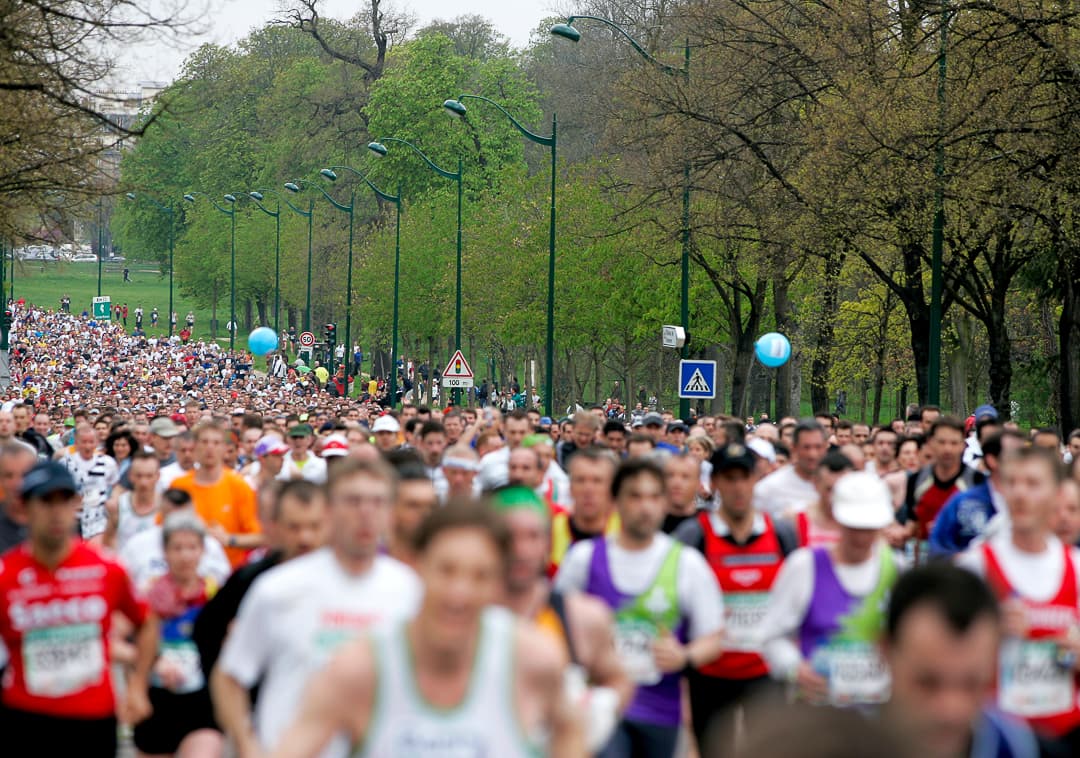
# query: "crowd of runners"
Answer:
x=207 y=559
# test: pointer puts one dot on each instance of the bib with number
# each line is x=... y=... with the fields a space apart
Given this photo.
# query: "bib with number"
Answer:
x=743 y=612
x=638 y=624
x=1032 y=683
x=855 y=671
x=63 y=660
x=184 y=656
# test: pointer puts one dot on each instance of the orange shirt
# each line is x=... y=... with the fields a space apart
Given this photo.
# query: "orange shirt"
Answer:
x=228 y=503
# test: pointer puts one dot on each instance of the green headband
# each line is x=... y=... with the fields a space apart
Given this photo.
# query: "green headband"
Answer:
x=516 y=497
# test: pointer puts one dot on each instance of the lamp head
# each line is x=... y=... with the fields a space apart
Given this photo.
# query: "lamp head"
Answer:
x=455 y=108
x=378 y=148
x=292 y=186
x=566 y=31
x=130 y=195
x=189 y=197
x=256 y=196
x=231 y=198
x=329 y=174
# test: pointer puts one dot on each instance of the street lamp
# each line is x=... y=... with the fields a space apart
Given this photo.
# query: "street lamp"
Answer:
x=257 y=196
x=457 y=108
x=933 y=393
x=310 y=215
x=567 y=31
x=231 y=213
x=330 y=173
x=168 y=210
x=296 y=186
x=379 y=149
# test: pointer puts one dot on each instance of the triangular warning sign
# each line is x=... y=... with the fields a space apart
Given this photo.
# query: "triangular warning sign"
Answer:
x=697 y=383
x=458 y=367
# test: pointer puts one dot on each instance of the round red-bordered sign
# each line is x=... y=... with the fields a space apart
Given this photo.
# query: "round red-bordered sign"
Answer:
x=307 y=339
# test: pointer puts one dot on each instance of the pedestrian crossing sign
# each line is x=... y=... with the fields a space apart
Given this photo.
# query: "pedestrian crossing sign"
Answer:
x=697 y=379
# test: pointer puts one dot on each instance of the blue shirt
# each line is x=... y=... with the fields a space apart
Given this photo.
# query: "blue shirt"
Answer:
x=963 y=518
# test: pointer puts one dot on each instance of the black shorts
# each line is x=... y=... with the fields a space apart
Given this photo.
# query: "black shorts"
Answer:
x=174 y=718
x=37 y=734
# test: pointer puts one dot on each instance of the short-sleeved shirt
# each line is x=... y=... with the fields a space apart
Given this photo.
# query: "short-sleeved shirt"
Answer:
x=228 y=503
x=55 y=627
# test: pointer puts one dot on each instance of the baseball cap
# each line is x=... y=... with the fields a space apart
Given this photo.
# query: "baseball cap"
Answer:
x=69 y=422
x=862 y=501
x=678 y=426
x=238 y=411
x=652 y=418
x=763 y=448
x=301 y=430
x=334 y=446
x=164 y=427
x=732 y=456
x=985 y=411
x=517 y=497
x=545 y=421
x=270 y=444
x=47 y=477
x=386 y=424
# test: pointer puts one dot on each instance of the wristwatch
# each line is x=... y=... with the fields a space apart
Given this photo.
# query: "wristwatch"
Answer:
x=231 y=542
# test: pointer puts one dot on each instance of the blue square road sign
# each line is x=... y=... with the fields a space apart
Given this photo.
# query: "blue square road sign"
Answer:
x=697 y=379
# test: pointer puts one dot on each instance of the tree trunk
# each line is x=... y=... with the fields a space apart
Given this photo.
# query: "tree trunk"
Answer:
x=823 y=339
x=959 y=366
x=1069 y=341
x=784 y=313
x=997 y=333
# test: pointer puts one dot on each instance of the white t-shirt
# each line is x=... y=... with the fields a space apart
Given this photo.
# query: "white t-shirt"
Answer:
x=293 y=619
x=1034 y=576
x=313 y=469
x=784 y=491
x=96 y=477
x=170 y=474
x=144 y=558
x=634 y=571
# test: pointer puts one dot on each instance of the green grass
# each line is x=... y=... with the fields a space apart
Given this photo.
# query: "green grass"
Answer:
x=44 y=283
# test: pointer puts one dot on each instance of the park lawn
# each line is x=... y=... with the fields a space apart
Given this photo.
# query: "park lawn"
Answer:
x=44 y=283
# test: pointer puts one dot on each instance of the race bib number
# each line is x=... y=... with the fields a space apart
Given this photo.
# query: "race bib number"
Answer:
x=1032 y=683
x=63 y=660
x=633 y=643
x=184 y=658
x=855 y=671
x=743 y=612
x=93 y=519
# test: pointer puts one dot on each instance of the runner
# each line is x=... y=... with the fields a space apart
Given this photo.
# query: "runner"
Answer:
x=941 y=640
x=415 y=500
x=581 y=624
x=182 y=719
x=302 y=463
x=790 y=489
x=1036 y=578
x=745 y=550
x=682 y=478
x=832 y=600
x=16 y=458
x=96 y=475
x=132 y=511
x=57 y=597
x=816 y=526
x=667 y=603
x=594 y=510
x=461 y=678
x=296 y=615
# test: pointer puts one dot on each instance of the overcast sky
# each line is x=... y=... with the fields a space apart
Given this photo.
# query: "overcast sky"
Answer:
x=230 y=20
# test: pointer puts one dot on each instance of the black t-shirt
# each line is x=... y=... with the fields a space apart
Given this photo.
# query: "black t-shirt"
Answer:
x=577 y=534
x=672 y=522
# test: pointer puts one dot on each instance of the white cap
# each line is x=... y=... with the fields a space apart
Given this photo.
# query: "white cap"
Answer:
x=386 y=423
x=763 y=448
x=860 y=500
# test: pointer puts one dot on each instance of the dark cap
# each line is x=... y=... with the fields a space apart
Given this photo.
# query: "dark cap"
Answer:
x=301 y=430
x=47 y=477
x=735 y=455
x=652 y=419
x=678 y=426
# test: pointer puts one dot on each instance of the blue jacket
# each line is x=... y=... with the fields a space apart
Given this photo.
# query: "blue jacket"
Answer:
x=999 y=736
x=963 y=518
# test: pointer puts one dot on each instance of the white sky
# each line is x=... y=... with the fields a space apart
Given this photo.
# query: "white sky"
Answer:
x=230 y=20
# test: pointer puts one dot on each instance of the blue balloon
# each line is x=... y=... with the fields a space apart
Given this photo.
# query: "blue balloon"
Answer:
x=773 y=349
x=262 y=341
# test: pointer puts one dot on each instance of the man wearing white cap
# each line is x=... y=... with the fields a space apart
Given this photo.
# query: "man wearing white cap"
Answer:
x=269 y=452
x=386 y=430
x=826 y=615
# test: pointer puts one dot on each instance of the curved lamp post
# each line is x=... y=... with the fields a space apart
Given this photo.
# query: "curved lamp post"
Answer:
x=457 y=108
x=231 y=213
x=309 y=214
x=331 y=174
x=296 y=186
x=379 y=149
x=168 y=210
x=569 y=32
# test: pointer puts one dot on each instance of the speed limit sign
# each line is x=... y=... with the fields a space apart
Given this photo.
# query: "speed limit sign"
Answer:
x=307 y=339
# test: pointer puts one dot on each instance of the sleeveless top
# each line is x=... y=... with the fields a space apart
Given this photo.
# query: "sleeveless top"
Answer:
x=128 y=522
x=484 y=724
x=1032 y=682
x=840 y=632
x=638 y=621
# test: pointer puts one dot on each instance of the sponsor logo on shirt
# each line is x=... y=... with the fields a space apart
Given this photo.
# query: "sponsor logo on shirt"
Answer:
x=58 y=612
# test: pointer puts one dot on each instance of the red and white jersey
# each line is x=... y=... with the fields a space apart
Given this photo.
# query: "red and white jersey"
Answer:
x=55 y=626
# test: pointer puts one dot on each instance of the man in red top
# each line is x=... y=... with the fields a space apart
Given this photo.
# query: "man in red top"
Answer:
x=745 y=549
x=57 y=597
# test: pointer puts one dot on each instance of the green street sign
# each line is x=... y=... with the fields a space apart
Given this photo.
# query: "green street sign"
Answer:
x=102 y=308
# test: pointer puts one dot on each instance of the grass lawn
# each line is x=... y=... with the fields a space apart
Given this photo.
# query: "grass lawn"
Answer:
x=44 y=283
